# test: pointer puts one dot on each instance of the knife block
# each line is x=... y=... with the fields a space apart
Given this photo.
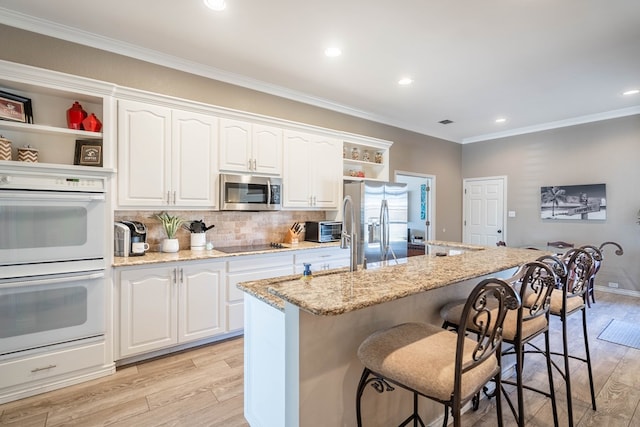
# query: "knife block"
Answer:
x=291 y=238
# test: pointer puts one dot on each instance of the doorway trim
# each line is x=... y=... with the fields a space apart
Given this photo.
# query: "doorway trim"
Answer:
x=431 y=199
x=465 y=181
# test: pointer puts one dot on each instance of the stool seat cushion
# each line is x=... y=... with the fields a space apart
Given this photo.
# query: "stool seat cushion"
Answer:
x=422 y=357
x=452 y=312
x=573 y=303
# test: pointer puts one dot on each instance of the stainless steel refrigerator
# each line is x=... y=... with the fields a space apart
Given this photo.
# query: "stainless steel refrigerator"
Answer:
x=380 y=215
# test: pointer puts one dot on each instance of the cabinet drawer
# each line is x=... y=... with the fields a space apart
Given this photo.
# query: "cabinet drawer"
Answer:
x=324 y=259
x=234 y=294
x=260 y=262
x=49 y=365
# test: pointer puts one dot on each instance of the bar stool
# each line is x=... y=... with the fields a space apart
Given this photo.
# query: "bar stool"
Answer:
x=569 y=300
x=534 y=282
x=441 y=365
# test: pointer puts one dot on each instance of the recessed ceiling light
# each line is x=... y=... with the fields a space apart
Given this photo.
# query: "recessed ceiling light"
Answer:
x=332 y=52
x=216 y=5
x=501 y=120
x=405 y=81
x=631 y=92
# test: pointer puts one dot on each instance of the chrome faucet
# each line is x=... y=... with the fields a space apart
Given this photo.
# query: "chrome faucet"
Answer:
x=349 y=237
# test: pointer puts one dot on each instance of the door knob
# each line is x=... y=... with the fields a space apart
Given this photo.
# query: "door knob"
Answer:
x=499 y=231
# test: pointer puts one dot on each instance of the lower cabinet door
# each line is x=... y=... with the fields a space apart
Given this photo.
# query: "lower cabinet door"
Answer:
x=148 y=310
x=201 y=307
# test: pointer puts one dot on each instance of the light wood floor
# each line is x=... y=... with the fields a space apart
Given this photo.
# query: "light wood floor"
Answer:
x=203 y=387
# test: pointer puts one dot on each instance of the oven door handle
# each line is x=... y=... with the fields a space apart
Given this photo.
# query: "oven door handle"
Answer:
x=54 y=280
x=58 y=196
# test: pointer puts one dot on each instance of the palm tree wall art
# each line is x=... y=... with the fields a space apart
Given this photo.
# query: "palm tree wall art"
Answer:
x=573 y=202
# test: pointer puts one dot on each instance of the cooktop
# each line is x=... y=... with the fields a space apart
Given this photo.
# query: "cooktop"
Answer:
x=250 y=248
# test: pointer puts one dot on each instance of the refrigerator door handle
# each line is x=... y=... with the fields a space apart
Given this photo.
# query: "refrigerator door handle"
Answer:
x=387 y=230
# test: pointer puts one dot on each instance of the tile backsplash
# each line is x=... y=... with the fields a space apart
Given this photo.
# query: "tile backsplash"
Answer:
x=231 y=228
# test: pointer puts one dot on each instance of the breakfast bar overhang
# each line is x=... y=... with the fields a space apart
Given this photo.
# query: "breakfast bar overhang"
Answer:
x=301 y=336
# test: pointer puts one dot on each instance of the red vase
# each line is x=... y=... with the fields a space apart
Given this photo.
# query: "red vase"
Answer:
x=75 y=116
x=91 y=123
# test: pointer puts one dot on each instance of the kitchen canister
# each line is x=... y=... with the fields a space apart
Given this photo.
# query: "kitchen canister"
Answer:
x=5 y=148
x=28 y=154
x=198 y=241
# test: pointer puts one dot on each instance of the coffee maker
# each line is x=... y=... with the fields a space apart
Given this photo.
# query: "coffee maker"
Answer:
x=125 y=234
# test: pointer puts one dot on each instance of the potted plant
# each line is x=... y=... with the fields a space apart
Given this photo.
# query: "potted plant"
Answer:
x=170 y=224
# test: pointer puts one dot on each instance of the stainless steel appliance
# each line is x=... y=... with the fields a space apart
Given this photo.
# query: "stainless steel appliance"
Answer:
x=322 y=231
x=52 y=245
x=250 y=193
x=125 y=235
x=380 y=219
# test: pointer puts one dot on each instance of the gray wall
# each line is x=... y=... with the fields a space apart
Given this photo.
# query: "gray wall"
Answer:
x=411 y=151
x=600 y=152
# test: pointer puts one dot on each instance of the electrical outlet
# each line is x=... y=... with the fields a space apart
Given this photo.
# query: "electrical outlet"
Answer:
x=613 y=285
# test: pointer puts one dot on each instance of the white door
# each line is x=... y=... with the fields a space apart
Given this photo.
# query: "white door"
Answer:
x=194 y=153
x=144 y=154
x=201 y=303
x=235 y=145
x=267 y=149
x=148 y=310
x=484 y=210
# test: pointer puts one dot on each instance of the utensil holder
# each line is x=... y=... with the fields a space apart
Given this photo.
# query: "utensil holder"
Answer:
x=198 y=241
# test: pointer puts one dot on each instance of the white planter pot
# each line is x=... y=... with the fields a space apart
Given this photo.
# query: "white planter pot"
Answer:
x=170 y=245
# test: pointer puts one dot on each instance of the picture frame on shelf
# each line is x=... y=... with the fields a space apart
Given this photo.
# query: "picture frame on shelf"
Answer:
x=15 y=108
x=88 y=152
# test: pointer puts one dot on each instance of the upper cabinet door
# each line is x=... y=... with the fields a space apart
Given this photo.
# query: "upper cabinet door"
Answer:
x=144 y=154
x=312 y=171
x=326 y=172
x=267 y=149
x=194 y=154
x=296 y=184
x=235 y=145
x=250 y=148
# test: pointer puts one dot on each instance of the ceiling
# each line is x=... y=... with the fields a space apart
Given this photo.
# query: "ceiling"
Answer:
x=538 y=63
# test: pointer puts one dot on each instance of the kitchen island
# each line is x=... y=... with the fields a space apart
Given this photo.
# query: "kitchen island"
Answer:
x=301 y=336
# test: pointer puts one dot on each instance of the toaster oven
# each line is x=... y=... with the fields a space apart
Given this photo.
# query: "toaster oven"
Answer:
x=322 y=231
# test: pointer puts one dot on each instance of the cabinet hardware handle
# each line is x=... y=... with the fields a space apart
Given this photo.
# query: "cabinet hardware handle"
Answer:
x=174 y=197
x=182 y=275
x=175 y=276
x=255 y=164
x=46 y=368
x=249 y=164
x=168 y=197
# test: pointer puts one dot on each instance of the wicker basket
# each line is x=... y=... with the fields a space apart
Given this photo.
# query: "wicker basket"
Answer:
x=5 y=149
x=28 y=154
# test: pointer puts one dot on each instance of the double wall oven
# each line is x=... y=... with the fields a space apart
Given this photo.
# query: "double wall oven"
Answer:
x=52 y=249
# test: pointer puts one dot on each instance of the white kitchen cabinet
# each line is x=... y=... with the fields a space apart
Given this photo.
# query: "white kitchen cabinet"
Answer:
x=172 y=304
x=250 y=148
x=312 y=176
x=248 y=268
x=166 y=157
x=322 y=259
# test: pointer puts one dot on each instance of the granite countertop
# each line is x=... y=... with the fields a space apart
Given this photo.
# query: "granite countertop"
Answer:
x=188 y=255
x=340 y=291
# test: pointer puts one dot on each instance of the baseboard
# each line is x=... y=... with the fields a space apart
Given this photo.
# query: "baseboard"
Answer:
x=618 y=291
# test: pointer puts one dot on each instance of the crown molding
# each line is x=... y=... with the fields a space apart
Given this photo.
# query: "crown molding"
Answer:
x=614 y=114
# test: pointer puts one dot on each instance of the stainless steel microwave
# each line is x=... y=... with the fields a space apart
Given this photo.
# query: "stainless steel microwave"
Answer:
x=250 y=193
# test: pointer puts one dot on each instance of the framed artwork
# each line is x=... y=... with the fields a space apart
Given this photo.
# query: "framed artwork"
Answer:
x=576 y=202
x=15 y=108
x=88 y=152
